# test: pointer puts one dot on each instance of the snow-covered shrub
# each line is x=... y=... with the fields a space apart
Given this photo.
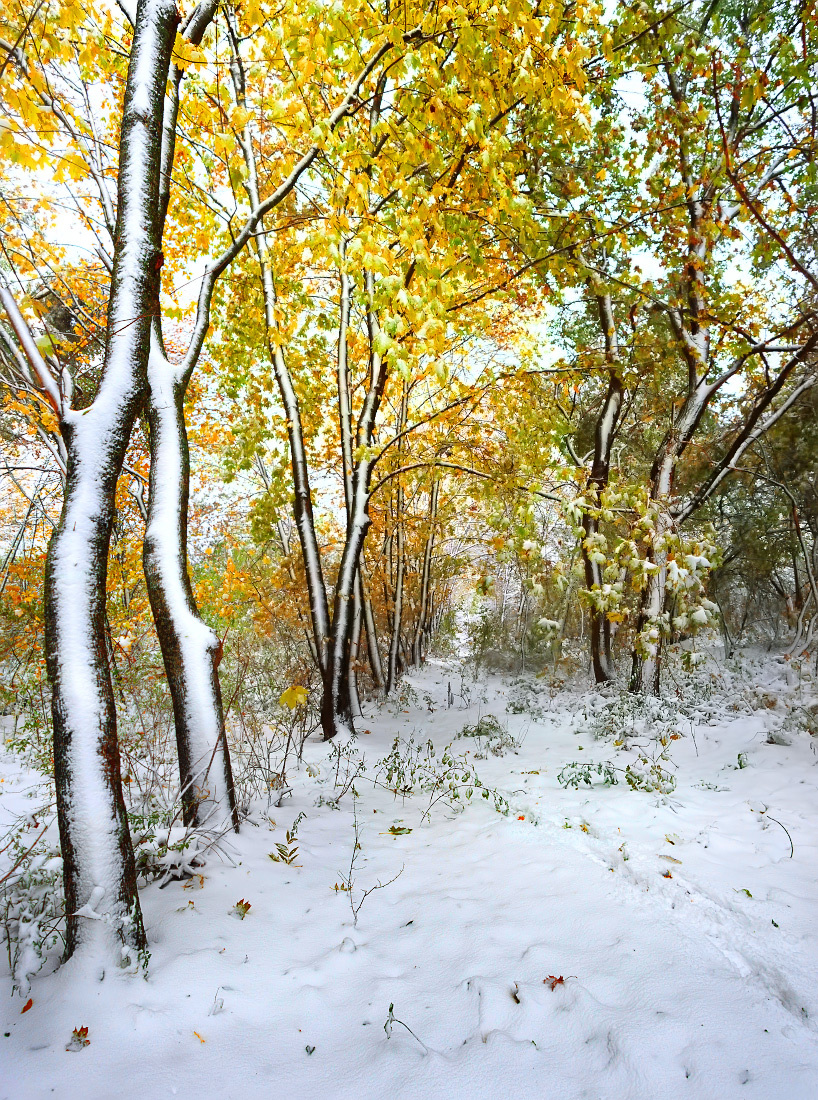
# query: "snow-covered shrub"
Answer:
x=411 y=768
x=627 y=715
x=492 y=737
x=525 y=697
x=405 y=696
x=802 y=719
x=32 y=916
x=645 y=773
x=167 y=851
x=30 y=738
x=264 y=743
x=346 y=766
x=651 y=773
x=575 y=773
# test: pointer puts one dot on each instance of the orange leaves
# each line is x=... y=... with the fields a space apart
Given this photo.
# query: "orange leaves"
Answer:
x=79 y=1039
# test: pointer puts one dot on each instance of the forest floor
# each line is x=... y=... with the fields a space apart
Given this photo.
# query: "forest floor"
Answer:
x=598 y=942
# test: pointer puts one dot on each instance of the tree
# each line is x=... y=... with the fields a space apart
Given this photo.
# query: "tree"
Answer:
x=415 y=239
x=103 y=913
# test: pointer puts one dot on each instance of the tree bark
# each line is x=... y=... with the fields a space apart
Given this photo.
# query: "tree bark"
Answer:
x=302 y=501
x=372 y=647
x=334 y=705
x=191 y=650
x=103 y=916
x=392 y=671
x=425 y=578
x=600 y=627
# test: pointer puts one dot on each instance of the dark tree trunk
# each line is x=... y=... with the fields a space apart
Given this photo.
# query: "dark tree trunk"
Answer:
x=600 y=626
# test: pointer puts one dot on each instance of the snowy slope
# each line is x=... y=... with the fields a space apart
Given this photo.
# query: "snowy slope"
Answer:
x=701 y=985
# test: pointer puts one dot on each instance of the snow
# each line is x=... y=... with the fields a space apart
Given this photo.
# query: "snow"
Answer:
x=197 y=641
x=95 y=445
x=699 y=985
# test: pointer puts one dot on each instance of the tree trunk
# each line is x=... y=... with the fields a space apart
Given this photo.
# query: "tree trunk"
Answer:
x=302 y=501
x=103 y=916
x=392 y=672
x=354 y=649
x=423 y=610
x=600 y=627
x=335 y=703
x=190 y=648
x=373 y=650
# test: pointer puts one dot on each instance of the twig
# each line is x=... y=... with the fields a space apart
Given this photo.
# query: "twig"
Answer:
x=789 y=838
x=391 y=1019
x=349 y=881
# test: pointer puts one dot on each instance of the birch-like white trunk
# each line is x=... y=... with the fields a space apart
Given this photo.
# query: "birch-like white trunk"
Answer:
x=190 y=648
x=335 y=713
x=104 y=921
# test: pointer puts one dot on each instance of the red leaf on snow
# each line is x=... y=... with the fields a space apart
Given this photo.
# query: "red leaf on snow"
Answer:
x=26 y=1006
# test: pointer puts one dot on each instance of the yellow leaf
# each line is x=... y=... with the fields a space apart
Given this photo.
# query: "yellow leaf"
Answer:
x=240 y=117
x=185 y=53
x=294 y=696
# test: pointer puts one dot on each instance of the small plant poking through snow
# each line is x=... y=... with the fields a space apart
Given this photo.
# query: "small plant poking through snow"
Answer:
x=79 y=1039
x=288 y=852
x=646 y=773
x=347 y=884
x=411 y=767
x=391 y=1020
x=492 y=737
x=32 y=918
x=575 y=773
x=241 y=908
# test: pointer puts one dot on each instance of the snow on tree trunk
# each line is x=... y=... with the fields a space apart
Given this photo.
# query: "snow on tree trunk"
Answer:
x=651 y=625
x=104 y=921
x=191 y=650
x=335 y=704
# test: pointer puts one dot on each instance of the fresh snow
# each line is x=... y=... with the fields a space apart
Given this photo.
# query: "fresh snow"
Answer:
x=198 y=642
x=703 y=985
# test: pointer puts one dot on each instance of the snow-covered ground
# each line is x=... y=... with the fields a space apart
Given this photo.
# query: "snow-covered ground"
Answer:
x=685 y=931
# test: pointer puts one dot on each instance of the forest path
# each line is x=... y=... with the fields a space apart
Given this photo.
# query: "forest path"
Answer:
x=673 y=987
